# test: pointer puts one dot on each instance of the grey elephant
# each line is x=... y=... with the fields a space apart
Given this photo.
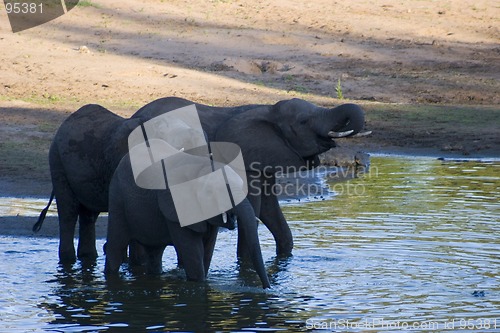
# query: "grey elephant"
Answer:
x=83 y=156
x=151 y=218
x=90 y=143
x=287 y=136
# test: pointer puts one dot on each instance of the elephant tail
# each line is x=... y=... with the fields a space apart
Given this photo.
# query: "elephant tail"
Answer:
x=38 y=225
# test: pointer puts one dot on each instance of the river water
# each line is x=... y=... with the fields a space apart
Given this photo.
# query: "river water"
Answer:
x=413 y=245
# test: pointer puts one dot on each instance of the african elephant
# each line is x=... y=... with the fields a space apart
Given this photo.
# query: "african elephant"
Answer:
x=286 y=136
x=90 y=143
x=151 y=218
x=83 y=155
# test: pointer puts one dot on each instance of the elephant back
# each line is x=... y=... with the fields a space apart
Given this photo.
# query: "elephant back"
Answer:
x=78 y=154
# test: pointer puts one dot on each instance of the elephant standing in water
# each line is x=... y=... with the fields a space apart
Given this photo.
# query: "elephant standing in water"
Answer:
x=150 y=218
x=83 y=156
x=287 y=135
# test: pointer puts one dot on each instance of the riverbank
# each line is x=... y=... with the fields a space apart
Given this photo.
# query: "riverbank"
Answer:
x=26 y=131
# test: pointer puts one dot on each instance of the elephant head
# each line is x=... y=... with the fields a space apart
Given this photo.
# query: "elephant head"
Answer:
x=290 y=133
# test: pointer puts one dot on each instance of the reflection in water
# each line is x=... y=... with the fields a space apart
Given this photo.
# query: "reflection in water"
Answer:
x=87 y=301
x=414 y=241
x=11 y=206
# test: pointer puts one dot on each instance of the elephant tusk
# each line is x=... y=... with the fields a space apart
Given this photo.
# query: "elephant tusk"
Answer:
x=333 y=134
x=360 y=134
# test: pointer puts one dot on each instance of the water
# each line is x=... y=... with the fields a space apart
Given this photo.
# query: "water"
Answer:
x=411 y=246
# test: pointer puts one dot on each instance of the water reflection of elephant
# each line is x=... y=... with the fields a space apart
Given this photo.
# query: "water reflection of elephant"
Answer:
x=87 y=301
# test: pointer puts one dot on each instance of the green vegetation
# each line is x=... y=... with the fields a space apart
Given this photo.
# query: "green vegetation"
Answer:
x=435 y=115
x=338 y=90
x=87 y=3
x=21 y=157
x=300 y=89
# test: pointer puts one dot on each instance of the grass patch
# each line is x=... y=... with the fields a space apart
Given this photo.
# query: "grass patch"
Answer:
x=474 y=115
x=338 y=90
x=48 y=127
x=435 y=117
x=300 y=89
x=74 y=103
x=45 y=100
x=21 y=158
x=87 y=3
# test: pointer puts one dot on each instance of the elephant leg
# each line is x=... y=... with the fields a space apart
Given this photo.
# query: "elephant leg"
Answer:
x=67 y=210
x=86 y=242
x=180 y=263
x=266 y=206
x=247 y=227
x=209 y=245
x=189 y=246
x=137 y=254
x=115 y=248
x=255 y=198
x=118 y=238
x=154 y=259
x=272 y=217
x=255 y=190
x=67 y=207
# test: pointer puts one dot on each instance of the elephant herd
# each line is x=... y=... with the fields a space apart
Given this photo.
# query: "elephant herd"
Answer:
x=91 y=172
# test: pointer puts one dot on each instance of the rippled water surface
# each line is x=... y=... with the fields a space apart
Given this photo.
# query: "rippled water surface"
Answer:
x=413 y=244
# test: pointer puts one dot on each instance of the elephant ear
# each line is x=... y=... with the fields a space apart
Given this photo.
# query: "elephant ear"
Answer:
x=167 y=208
x=262 y=142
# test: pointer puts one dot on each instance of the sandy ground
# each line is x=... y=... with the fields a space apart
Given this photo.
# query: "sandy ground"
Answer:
x=416 y=66
x=127 y=53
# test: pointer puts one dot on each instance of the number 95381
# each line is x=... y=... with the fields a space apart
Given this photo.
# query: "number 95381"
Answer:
x=23 y=8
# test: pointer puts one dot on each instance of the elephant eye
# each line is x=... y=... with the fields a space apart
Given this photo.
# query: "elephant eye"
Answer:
x=303 y=121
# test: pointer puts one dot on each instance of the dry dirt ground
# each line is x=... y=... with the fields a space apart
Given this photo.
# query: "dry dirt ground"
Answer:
x=426 y=71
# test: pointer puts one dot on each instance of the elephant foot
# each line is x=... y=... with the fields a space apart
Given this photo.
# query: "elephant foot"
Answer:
x=67 y=261
x=67 y=257
x=284 y=247
x=243 y=256
x=86 y=252
x=86 y=249
x=154 y=270
x=196 y=279
x=111 y=265
x=284 y=253
x=154 y=259
x=88 y=256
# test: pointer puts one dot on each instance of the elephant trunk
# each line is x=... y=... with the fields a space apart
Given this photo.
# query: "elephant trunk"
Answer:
x=247 y=227
x=341 y=121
